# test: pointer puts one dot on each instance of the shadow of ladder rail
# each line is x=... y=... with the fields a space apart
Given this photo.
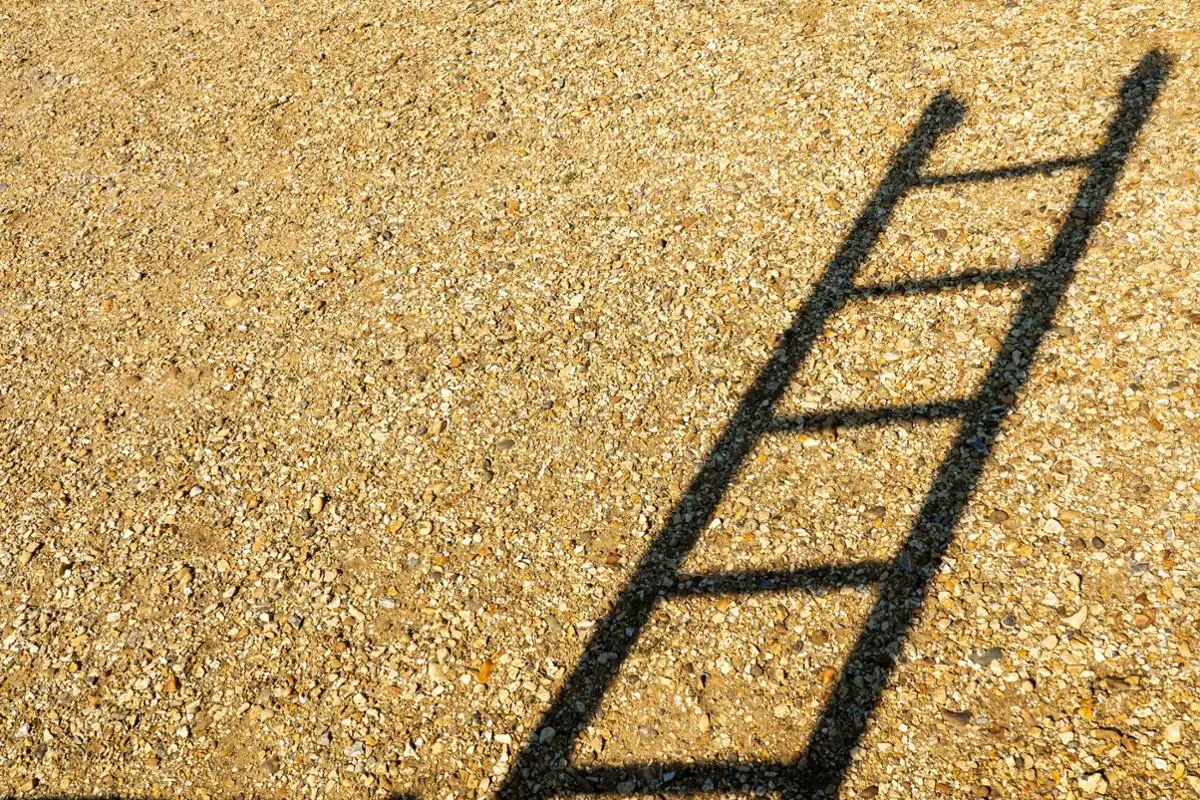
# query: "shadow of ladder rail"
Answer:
x=543 y=770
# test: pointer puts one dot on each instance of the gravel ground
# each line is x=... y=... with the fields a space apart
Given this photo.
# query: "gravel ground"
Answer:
x=352 y=354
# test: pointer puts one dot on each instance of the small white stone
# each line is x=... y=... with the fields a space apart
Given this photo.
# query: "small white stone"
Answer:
x=1093 y=783
x=1077 y=619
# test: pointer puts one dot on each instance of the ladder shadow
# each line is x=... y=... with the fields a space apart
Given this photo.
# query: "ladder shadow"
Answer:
x=542 y=769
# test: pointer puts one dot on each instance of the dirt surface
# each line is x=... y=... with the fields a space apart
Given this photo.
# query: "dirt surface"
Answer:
x=352 y=355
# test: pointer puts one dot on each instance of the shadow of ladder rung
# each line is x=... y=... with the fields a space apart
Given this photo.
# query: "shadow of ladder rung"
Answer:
x=543 y=768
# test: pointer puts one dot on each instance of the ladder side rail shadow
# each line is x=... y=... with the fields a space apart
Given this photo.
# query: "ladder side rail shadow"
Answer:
x=903 y=580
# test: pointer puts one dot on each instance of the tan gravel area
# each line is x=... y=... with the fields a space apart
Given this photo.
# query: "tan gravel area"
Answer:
x=354 y=356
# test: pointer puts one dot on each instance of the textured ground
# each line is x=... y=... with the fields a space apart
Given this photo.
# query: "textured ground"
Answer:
x=351 y=353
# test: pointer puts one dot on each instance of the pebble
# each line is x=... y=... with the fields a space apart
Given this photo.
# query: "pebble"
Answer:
x=957 y=718
x=28 y=553
x=1077 y=619
x=828 y=676
x=184 y=577
x=1093 y=783
x=984 y=657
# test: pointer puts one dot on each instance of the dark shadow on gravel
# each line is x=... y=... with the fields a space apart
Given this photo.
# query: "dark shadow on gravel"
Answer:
x=543 y=769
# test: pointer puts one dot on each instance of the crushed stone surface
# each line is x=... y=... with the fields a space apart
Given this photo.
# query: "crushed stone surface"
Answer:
x=353 y=353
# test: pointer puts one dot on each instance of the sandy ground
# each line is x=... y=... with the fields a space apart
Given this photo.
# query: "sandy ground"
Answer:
x=353 y=356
